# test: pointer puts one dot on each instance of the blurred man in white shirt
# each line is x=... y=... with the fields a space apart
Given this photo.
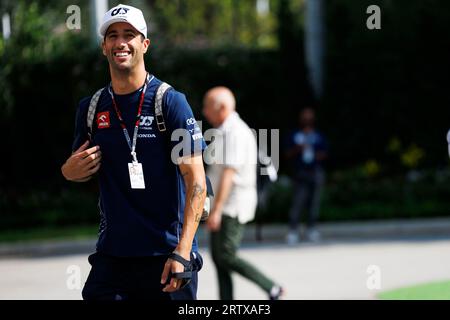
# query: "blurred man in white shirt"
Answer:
x=232 y=172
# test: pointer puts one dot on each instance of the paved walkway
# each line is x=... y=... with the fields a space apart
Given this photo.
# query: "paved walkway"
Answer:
x=336 y=268
x=373 y=230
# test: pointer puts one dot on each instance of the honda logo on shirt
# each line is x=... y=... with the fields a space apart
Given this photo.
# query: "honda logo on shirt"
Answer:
x=103 y=120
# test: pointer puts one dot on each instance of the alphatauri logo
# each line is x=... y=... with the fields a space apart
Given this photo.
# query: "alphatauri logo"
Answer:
x=146 y=121
x=119 y=10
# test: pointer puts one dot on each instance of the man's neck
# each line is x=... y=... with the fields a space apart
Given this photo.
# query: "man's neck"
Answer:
x=127 y=82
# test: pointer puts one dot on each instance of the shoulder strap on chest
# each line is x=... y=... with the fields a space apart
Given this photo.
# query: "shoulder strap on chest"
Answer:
x=160 y=93
x=159 y=98
x=91 y=111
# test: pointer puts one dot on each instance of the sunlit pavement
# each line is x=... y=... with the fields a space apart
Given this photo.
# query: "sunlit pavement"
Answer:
x=326 y=270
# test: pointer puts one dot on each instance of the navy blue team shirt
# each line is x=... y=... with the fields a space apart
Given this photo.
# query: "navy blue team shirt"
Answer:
x=136 y=222
x=315 y=142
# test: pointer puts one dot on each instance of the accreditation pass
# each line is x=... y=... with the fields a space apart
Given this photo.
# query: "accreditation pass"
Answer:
x=136 y=175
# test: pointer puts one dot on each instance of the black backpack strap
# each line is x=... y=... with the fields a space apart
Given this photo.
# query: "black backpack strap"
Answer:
x=160 y=93
x=91 y=111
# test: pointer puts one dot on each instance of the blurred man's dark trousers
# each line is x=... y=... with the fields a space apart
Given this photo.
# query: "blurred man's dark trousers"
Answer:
x=307 y=194
x=224 y=246
x=113 y=278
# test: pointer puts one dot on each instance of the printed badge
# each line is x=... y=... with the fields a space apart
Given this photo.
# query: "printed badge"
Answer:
x=103 y=120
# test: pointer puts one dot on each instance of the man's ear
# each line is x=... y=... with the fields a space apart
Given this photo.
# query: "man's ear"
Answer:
x=103 y=48
x=222 y=108
x=147 y=43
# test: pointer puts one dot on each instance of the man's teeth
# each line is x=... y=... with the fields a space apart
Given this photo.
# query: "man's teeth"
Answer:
x=121 y=54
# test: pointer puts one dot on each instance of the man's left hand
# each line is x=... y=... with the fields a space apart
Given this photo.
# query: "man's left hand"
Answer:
x=174 y=267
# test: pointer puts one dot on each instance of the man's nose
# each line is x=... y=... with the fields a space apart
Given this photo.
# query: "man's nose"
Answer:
x=120 y=42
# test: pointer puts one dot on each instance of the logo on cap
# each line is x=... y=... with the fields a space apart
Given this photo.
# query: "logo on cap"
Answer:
x=119 y=10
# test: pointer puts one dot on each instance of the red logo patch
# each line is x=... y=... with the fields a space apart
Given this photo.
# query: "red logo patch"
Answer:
x=103 y=120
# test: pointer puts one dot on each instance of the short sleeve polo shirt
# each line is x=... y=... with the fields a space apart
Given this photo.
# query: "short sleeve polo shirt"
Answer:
x=235 y=147
x=140 y=222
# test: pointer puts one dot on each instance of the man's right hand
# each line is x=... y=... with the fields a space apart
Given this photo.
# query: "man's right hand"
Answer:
x=82 y=164
x=214 y=221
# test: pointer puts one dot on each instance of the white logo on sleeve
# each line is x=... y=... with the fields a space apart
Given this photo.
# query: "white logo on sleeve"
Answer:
x=191 y=121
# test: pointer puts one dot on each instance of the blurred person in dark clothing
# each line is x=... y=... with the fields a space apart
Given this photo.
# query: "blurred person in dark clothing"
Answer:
x=307 y=150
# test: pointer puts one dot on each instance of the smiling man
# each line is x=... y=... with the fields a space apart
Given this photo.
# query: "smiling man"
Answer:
x=150 y=205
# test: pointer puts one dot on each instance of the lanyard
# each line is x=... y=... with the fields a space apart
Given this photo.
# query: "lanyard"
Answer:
x=138 y=117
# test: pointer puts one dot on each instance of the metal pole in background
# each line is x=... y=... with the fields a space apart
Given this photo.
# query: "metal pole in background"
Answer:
x=262 y=7
x=6 y=26
x=314 y=44
x=98 y=9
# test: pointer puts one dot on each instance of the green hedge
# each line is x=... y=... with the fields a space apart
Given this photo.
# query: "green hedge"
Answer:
x=345 y=197
x=387 y=83
x=350 y=196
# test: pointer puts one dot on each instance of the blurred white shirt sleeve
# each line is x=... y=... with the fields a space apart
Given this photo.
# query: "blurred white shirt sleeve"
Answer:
x=448 y=141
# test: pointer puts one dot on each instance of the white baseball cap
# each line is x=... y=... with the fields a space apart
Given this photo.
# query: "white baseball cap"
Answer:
x=124 y=13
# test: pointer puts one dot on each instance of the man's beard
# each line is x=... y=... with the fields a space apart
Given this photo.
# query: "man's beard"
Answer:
x=122 y=68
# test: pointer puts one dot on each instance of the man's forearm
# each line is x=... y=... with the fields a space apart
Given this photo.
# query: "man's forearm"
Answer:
x=66 y=176
x=82 y=180
x=195 y=198
x=225 y=185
